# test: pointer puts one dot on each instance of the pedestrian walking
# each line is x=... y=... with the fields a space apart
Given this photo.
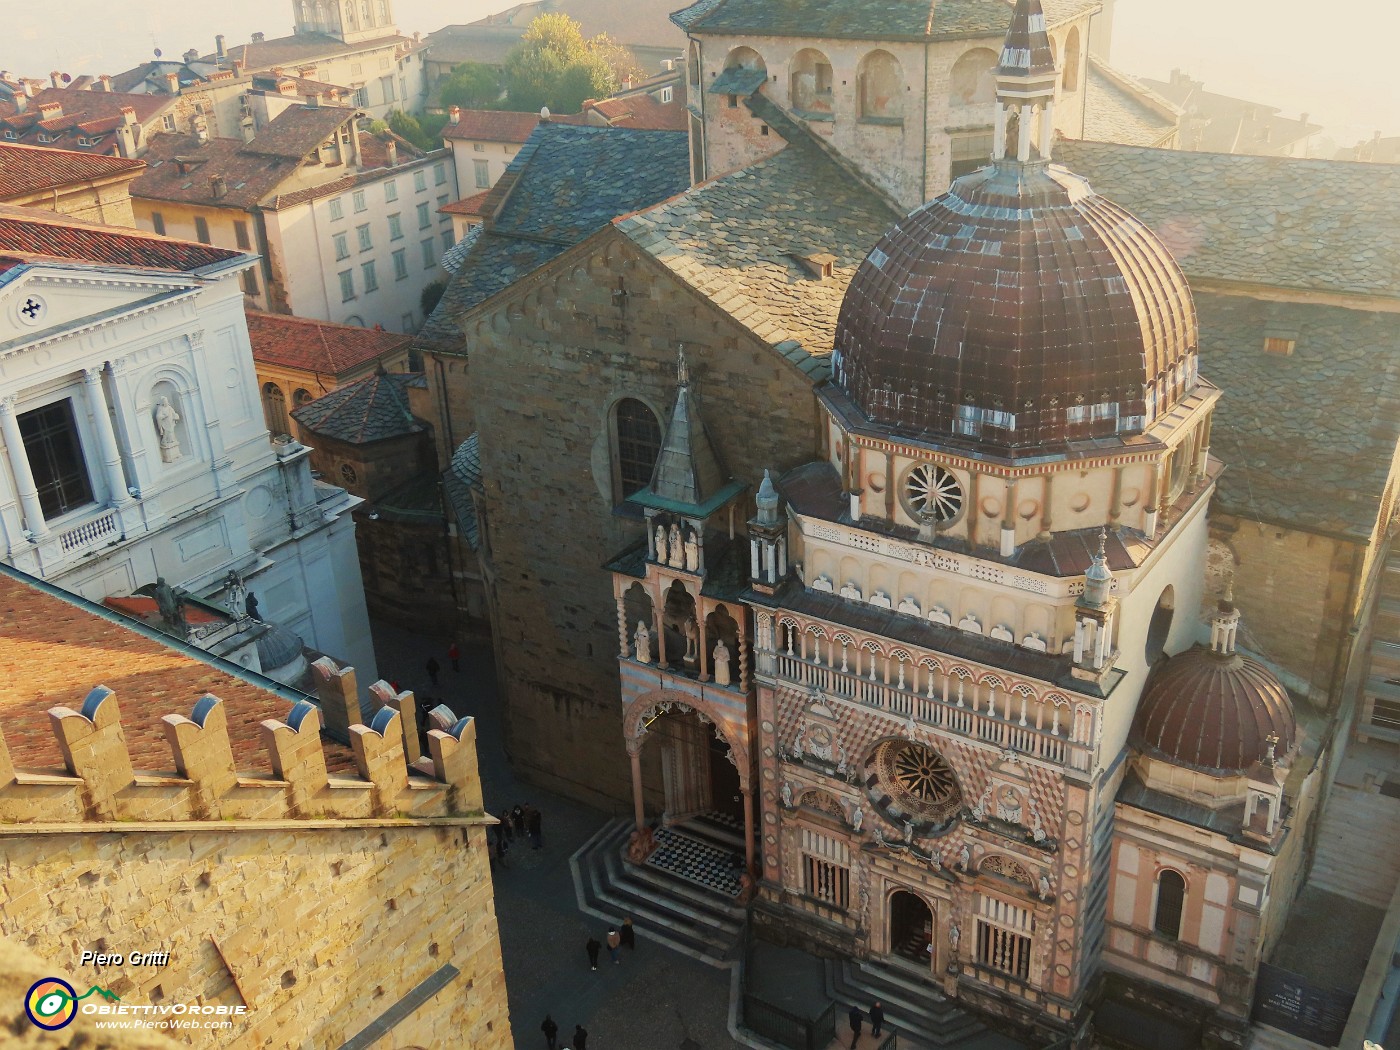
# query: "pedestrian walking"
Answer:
x=614 y=942
x=550 y=1030
x=534 y=822
x=856 y=1017
x=593 y=948
x=628 y=934
x=455 y=655
x=506 y=827
x=580 y=1037
x=433 y=667
x=877 y=1018
x=517 y=817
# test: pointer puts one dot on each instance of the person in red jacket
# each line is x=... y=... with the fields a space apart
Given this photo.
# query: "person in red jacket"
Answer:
x=455 y=655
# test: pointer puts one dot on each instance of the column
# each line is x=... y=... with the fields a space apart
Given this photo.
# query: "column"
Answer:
x=24 y=477
x=747 y=794
x=623 y=649
x=634 y=752
x=743 y=659
x=1047 y=129
x=704 y=653
x=1023 y=128
x=117 y=494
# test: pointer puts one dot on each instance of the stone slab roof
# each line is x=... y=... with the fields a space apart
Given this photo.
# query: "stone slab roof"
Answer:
x=492 y=125
x=55 y=649
x=1322 y=225
x=737 y=239
x=1306 y=438
x=459 y=484
x=318 y=346
x=32 y=169
x=867 y=19
x=566 y=182
x=27 y=233
x=1118 y=108
x=373 y=409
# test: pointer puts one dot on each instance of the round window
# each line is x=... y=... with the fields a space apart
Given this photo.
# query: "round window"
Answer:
x=917 y=781
x=348 y=475
x=930 y=489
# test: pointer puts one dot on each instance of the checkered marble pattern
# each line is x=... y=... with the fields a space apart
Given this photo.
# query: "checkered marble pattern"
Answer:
x=697 y=861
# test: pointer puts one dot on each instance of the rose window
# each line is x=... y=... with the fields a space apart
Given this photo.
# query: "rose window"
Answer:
x=918 y=781
x=929 y=489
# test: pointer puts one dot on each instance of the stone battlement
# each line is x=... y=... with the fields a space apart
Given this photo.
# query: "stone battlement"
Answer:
x=100 y=783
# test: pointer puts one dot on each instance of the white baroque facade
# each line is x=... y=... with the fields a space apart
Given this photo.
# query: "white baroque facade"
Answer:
x=132 y=442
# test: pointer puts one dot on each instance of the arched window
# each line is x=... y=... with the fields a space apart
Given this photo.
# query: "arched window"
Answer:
x=1171 y=895
x=745 y=58
x=636 y=444
x=973 y=81
x=1071 y=70
x=275 y=408
x=693 y=73
x=809 y=82
x=302 y=397
x=880 y=87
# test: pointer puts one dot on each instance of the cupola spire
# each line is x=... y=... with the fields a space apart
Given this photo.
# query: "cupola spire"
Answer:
x=1025 y=88
x=1225 y=624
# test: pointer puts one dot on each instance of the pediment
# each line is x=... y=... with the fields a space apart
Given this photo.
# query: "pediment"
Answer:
x=43 y=302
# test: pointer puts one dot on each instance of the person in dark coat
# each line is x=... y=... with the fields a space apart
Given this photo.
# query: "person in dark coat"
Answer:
x=614 y=942
x=433 y=667
x=517 y=816
x=455 y=655
x=856 y=1018
x=506 y=826
x=534 y=822
x=580 y=1037
x=628 y=934
x=877 y=1018
x=550 y=1030
x=593 y=947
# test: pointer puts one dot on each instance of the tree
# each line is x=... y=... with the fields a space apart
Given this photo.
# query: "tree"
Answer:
x=555 y=66
x=428 y=298
x=472 y=85
x=425 y=132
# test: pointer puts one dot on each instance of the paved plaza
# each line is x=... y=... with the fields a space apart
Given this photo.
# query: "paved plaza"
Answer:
x=655 y=998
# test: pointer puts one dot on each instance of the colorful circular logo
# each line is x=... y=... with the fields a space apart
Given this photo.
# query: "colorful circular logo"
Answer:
x=51 y=1003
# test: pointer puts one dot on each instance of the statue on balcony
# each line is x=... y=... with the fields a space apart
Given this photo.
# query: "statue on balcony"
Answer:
x=643 y=643
x=857 y=819
x=722 y=675
x=677 y=548
x=661 y=544
x=692 y=551
x=237 y=595
x=166 y=417
x=692 y=641
x=171 y=606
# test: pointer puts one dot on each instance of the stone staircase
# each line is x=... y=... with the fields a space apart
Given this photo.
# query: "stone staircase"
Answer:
x=681 y=914
x=1262 y=1037
x=915 y=1007
x=1358 y=846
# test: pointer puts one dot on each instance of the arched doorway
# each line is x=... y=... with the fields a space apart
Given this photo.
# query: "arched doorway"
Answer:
x=697 y=773
x=911 y=928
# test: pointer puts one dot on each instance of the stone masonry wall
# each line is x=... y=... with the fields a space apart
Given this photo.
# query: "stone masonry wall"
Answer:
x=546 y=459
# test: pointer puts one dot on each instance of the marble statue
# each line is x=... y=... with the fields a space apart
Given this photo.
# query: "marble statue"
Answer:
x=909 y=833
x=166 y=417
x=954 y=935
x=721 y=666
x=237 y=595
x=643 y=643
x=661 y=544
x=676 y=547
x=692 y=641
x=857 y=819
x=964 y=858
x=1044 y=888
x=692 y=552
x=787 y=795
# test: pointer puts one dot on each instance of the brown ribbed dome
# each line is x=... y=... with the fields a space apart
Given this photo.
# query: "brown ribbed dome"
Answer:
x=1019 y=309
x=1213 y=712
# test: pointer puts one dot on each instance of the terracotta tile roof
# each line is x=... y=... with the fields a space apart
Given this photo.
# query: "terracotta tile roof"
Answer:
x=179 y=168
x=26 y=233
x=55 y=650
x=91 y=115
x=298 y=130
x=318 y=346
x=493 y=125
x=865 y=19
x=642 y=113
x=1260 y=220
x=374 y=409
x=473 y=205
x=29 y=169
x=372 y=152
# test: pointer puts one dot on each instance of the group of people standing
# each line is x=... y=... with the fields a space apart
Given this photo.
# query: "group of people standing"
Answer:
x=519 y=821
x=551 y=1035
x=619 y=936
x=857 y=1020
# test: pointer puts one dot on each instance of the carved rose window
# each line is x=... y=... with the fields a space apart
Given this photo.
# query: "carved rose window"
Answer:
x=932 y=489
x=919 y=781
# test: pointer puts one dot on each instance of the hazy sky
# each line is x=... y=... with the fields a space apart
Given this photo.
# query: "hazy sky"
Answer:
x=1334 y=63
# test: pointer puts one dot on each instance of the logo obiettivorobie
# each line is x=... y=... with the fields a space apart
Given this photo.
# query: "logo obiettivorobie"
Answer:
x=51 y=1003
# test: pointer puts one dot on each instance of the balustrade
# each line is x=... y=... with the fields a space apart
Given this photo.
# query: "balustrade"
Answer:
x=99 y=529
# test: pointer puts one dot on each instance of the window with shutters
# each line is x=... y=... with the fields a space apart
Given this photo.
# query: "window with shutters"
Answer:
x=1004 y=933
x=826 y=868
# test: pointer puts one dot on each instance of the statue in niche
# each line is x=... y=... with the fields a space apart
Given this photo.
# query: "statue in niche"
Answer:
x=1044 y=888
x=954 y=936
x=964 y=858
x=692 y=551
x=166 y=417
x=857 y=819
x=643 y=643
x=661 y=544
x=787 y=795
x=1013 y=132
x=677 y=548
x=722 y=676
x=692 y=641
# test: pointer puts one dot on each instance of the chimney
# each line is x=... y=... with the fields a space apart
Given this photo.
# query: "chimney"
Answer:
x=53 y=77
x=258 y=38
x=201 y=131
x=126 y=134
x=454 y=115
x=172 y=83
x=219 y=46
x=104 y=83
x=393 y=149
x=190 y=55
x=238 y=67
x=28 y=87
x=50 y=110
x=217 y=186
x=1303 y=119
x=22 y=100
x=248 y=129
x=1176 y=77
